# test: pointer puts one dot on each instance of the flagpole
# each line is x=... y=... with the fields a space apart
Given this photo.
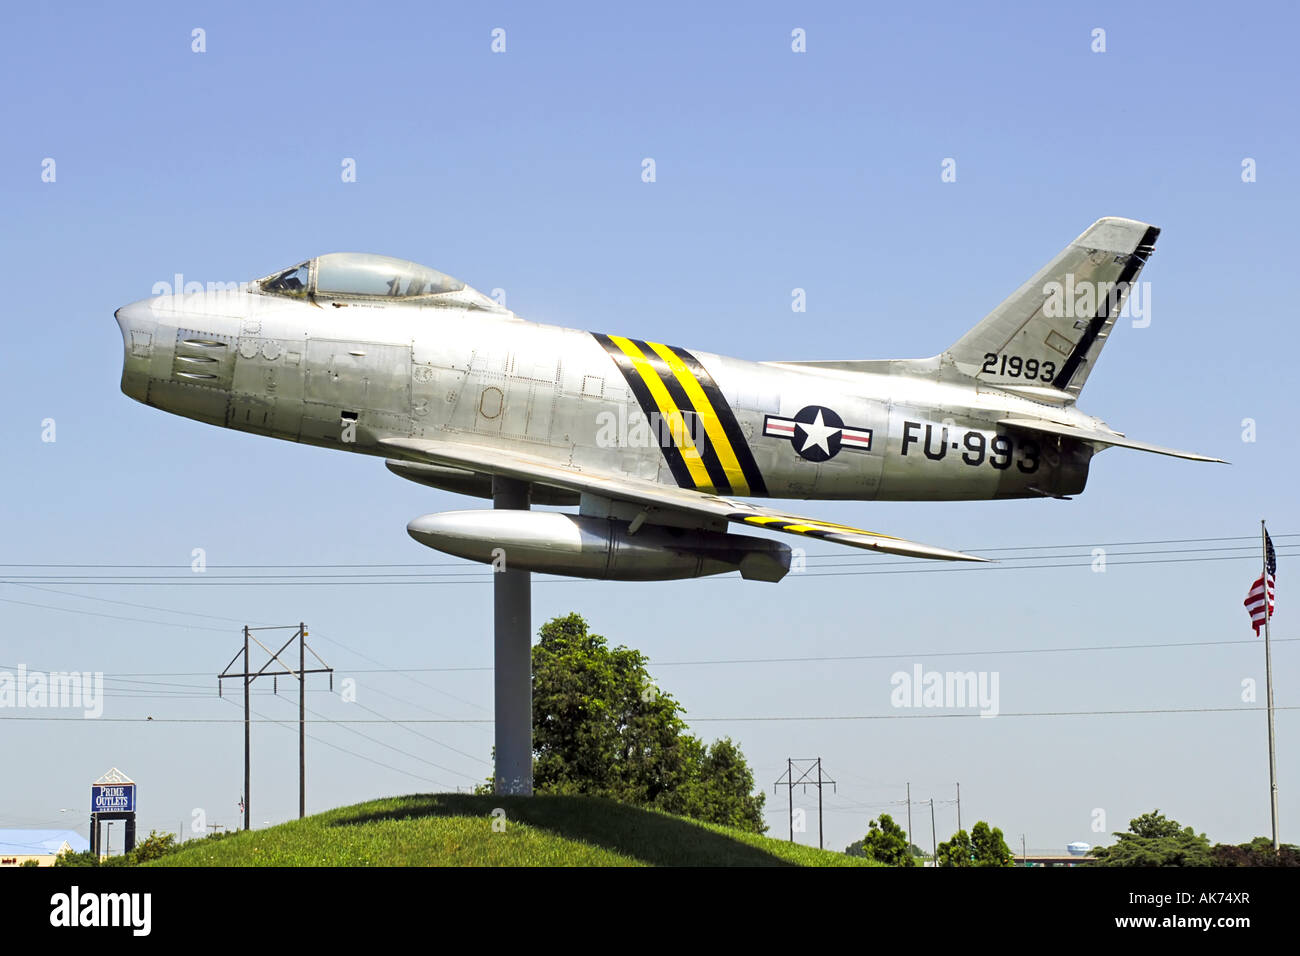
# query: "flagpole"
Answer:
x=1268 y=678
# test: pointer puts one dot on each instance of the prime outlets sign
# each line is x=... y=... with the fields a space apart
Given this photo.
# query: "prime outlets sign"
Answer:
x=112 y=798
x=114 y=792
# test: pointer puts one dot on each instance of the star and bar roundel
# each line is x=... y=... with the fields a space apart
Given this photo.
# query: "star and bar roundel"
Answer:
x=697 y=431
x=817 y=433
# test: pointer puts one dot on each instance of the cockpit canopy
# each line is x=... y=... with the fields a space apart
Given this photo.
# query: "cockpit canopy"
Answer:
x=360 y=275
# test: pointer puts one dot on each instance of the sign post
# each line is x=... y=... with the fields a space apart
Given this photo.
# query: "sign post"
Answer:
x=112 y=797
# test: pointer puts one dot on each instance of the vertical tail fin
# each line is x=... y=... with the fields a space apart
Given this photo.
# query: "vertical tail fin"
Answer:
x=1048 y=334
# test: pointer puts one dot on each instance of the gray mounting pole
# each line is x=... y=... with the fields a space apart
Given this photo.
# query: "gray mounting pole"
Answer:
x=513 y=663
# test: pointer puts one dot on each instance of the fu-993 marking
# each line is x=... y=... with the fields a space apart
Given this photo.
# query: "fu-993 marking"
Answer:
x=975 y=447
x=1013 y=366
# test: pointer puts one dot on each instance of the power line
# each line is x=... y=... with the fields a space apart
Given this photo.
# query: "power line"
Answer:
x=327 y=743
x=1001 y=714
x=1029 y=547
x=146 y=607
x=485 y=577
x=818 y=659
x=115 y=617
x=826 y=717
x=957 y=652
x=414 y=680
x=404 y=753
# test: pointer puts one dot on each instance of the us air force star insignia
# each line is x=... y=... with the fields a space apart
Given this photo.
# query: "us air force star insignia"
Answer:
x=817 y=433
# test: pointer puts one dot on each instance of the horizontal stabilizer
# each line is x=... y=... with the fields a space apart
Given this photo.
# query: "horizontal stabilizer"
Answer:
x=1100 y=436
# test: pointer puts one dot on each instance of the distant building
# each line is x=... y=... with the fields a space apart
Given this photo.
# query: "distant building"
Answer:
x=1054 y=857
x=19 y=846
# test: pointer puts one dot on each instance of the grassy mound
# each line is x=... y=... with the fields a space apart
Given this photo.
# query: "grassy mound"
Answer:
x=458 y=830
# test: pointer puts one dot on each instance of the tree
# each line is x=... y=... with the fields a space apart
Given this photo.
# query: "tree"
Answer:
x=1153 y=826
x=885 y=842
x=74 y=858
x=1258 y=852
x=988 y=847
x=154 y=846
x=721 y=790
x=1154 y=840
x=983 y=846
x=601 y=727
x=956 y=852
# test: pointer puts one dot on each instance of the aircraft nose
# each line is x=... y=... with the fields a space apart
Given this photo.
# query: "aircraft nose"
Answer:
x=139 y=329
x=136 y=314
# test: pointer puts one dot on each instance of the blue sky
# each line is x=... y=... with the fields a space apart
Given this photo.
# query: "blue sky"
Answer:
x=775 y=170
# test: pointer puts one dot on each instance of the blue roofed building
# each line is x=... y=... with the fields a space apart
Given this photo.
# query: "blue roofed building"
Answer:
x=19 y=846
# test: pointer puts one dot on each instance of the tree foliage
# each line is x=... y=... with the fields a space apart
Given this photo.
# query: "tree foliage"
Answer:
x=955 y=852
x=885 y=842
x=1258 y=852
x=152 y=847
x=602 y=728
x=989 y=846
x=983 y=846
x=1154 y=840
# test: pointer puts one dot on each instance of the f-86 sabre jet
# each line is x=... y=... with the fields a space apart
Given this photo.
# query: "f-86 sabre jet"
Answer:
x=660 y=448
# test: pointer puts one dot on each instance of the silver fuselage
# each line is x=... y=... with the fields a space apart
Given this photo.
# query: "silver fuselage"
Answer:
x=350 y=373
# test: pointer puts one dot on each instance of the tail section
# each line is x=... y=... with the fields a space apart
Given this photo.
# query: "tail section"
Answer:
x=1046 y=337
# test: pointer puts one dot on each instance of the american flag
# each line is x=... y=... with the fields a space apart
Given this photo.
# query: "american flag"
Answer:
x=1255 y=605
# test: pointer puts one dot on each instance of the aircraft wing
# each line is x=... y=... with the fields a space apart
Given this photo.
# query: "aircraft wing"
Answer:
x=1100 y=437
x=656 y=497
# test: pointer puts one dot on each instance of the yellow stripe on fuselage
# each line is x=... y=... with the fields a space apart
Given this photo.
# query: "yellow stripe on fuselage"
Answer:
x=712 y=427
x=671 y=413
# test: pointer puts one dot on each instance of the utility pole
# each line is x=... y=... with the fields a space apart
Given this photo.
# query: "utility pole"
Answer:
x=910 y=839
x=821 y=844
x=247 y=738
x=959 y=806
x=789 y=779
x=1023 y=852
x=248 y=676
x=804 y=780
x=934 y=840
x=302 y=725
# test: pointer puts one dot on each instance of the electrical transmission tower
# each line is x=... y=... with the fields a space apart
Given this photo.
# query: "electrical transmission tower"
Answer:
x=805 y=780
x=284 y=670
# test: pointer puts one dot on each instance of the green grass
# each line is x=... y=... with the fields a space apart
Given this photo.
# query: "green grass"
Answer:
x=457 y=830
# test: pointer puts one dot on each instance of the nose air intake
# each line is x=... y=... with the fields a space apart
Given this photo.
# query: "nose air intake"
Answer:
x=139 y=331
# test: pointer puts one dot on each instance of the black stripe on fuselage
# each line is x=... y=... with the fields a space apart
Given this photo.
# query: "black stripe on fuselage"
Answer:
x=649 y=408
x=692 y=425
x=726 y=418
